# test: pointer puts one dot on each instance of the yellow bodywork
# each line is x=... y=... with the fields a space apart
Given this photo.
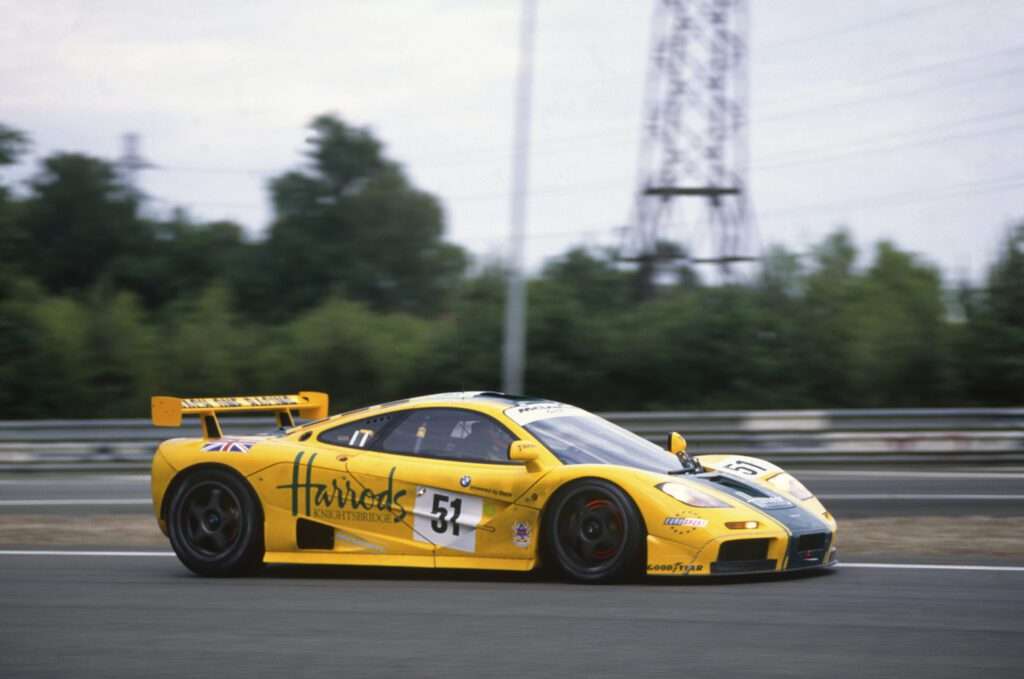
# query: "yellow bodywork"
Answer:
x=378 y=504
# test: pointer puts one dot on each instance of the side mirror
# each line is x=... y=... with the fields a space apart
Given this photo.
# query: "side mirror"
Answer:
x=677 y=446
x=676 y=443
x=525 y=451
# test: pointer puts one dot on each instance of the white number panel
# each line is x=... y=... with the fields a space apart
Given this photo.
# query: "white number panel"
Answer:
x=447 y=519
x=746 y=466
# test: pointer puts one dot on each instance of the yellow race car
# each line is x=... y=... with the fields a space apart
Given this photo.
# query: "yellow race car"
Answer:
x=471 y=480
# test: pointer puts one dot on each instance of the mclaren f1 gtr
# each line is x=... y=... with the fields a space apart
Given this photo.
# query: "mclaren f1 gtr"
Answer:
x=471 y=480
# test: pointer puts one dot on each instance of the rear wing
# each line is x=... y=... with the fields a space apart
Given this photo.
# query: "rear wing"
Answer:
x=168 y=411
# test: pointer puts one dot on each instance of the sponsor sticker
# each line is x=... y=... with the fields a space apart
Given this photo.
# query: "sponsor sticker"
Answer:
x=522 y=534
x=523 y=415
x=238 y=402
x=677 y=567
x=357 y=542
x=685 y=522
x=677 y=521
x=771 y=501
x=767 y=502
x=339 y=500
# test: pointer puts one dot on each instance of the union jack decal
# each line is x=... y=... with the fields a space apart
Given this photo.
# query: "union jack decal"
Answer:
x=228 y=446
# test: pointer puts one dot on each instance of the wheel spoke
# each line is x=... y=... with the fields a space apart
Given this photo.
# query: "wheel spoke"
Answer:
x=230 y=522
x=606 y=515
x=219 y=540
x=578 y=507
x=196 y=513
x=587 y=548
x=193 y=530
x=607 y=542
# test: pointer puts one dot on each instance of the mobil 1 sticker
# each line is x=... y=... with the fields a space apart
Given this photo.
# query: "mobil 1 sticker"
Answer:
x=447 y=519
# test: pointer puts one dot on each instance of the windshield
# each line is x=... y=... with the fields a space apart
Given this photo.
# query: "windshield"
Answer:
x=589 y=439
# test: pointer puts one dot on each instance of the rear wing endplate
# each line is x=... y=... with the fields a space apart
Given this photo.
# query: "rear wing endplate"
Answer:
x=168 y=410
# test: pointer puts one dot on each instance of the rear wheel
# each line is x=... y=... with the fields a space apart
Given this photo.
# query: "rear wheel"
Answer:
x=215 y=524
x=593 y=532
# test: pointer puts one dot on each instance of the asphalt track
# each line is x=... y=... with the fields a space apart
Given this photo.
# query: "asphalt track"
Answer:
x=133 y=614
x=146 y=616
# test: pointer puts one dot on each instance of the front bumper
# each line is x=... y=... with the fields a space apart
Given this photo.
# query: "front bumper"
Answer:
x=728 y=555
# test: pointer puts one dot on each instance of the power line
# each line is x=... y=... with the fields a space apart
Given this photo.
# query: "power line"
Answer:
x=804 y=156
x=811 y=37
x=867 y=203
x=551 y=146
x=941 y=139
x=860 y=101
x=896 y=75
x=903 y=197
x=853 y=28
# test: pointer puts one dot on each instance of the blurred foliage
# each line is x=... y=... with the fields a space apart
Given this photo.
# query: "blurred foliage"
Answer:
x=354 y=291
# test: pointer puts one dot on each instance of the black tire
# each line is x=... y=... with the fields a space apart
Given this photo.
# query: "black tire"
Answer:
x=592 y=532
x=216 y=524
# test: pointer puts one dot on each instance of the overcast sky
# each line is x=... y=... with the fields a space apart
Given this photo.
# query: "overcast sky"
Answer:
x=900 y=119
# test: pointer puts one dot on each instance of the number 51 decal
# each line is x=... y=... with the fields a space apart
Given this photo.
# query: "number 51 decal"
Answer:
x=748 y=466
x=442 y=507
x=447 y=519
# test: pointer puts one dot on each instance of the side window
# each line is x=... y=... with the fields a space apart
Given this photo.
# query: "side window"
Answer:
x=358 y=434
x=449 y=433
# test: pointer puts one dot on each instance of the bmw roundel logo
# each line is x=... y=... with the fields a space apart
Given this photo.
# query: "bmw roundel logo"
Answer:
x=465 y=481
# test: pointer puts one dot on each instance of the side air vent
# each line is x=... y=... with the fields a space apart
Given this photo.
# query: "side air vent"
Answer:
x=313 y=535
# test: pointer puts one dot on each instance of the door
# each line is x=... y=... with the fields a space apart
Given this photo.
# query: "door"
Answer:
x=340 y=483
x=455 y=463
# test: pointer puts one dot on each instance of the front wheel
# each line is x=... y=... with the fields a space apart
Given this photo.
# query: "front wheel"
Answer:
x=593 y=532
x=215 y=524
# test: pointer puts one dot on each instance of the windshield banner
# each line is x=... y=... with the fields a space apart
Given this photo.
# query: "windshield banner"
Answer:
x=524 y=415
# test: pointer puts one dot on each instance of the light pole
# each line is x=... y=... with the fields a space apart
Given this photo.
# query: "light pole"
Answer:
x=514 y=346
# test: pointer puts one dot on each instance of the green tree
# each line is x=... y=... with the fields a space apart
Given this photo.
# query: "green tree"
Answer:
x=182 y=258
x=43 y=342
x=82 y=224
x=120 y=362
x=899 y=324
x=357 y=356
x=992 y=347
x=12 y=241
x=352 y=225
x=13 y=143
x=827 y=318
x=203 y=345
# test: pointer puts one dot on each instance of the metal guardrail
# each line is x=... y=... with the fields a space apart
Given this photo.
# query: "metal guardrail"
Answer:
x=820 y=437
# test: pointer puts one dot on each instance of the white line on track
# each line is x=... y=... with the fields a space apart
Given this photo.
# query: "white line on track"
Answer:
x=916 y=496
x=902 y=566
x=933 y=567
x=71 y=503
x=1007 y=474
x=56 y=552
x=84 y=480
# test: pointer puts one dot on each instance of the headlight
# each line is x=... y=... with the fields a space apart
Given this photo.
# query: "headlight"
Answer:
x=691 y=496
x=788 y=484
